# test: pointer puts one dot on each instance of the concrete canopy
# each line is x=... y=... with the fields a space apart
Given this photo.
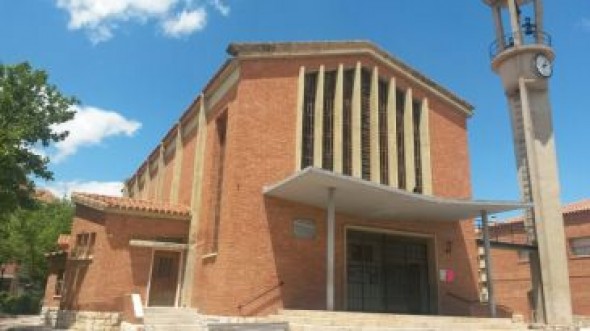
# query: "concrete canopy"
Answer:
x=370 y=200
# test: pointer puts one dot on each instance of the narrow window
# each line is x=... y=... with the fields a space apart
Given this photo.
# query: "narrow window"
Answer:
x=401 y=153
x=221 y=125
x=347 y=122
x=328 y=138
x=366 y=123
x=308 y=119
x=416 y=117
x=383 y=143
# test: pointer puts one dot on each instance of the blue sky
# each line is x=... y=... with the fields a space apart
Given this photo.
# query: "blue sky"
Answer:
x=136 y=65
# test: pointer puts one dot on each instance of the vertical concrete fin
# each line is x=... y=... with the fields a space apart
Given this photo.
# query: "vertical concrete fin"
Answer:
x=318 y=123
x=197 y=187
x=392 y=133
x=338 y=116
x=374 y=127
x=409 y=141
x=176 y=174
x=356 y=123
x=425 y=147
x=299 y=117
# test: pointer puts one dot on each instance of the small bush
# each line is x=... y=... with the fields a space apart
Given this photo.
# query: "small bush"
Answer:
x=26 y=303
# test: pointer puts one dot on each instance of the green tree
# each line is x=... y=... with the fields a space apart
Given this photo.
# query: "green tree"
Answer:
x=29 y=108
x=27 y=234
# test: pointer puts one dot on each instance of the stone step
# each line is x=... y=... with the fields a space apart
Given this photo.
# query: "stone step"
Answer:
x=304 y=327
x=270 y=326
x=403 y=324
x=346 y=316
x=176 y=327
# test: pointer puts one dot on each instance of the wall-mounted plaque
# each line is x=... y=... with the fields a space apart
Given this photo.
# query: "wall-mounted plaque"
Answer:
x=304 y=228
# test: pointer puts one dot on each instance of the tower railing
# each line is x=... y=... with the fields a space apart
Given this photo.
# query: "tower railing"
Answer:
x=528 y=38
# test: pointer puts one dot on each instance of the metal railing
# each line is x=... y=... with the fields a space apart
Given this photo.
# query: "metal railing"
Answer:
x=529 y=37
x=260 y=295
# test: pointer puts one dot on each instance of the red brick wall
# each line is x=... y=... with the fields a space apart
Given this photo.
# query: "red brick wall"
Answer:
x=256 y=245
x=512 y=276
x=116 y=269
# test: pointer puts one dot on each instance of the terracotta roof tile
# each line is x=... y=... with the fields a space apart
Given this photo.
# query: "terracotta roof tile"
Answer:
x=110 y=203
x=576 y=207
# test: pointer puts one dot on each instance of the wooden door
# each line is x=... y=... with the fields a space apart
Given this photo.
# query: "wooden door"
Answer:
x=164 y=278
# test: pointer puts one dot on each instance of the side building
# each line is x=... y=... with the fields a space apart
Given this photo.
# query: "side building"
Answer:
x=322 y=175
x=511 y=273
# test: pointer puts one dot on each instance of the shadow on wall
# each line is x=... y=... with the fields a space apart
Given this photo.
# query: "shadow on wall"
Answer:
x=300 y=263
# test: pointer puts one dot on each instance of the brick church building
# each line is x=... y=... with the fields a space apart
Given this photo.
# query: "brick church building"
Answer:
x=321 y=176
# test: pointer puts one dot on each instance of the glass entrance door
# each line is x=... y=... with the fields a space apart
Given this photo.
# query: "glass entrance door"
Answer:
x=387 y=273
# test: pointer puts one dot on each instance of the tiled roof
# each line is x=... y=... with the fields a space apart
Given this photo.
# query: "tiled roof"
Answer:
x=131 y=205
x=576 y=207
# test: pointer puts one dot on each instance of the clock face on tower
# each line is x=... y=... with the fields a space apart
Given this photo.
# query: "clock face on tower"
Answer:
x=543 y=65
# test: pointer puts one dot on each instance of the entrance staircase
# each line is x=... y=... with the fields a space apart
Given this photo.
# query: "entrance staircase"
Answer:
x=177 y=319
x=172 y=319
x=308 y=320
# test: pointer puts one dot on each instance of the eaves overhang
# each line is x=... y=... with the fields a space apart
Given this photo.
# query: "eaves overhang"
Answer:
x=358 y=197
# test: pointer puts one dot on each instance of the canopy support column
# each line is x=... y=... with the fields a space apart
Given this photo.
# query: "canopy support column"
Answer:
x=488 y=261
x=330 y=227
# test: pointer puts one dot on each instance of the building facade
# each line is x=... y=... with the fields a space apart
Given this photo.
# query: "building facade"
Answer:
x=511 y=273
x=324 y=175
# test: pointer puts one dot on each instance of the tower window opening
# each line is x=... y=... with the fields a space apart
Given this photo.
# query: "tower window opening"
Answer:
x=416 y=118
x=366 y=124
x=399 y=123
x=347 y=122
x=328 y=138
x=308 y=119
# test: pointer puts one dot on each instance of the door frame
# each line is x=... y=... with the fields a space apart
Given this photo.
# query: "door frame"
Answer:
x=179 y=276
x=432 y=251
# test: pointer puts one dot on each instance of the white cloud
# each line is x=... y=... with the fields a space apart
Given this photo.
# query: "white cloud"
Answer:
x=185 y=23
x=100 y=18
x=221 y=7
x=90 y=126
x=65 y=189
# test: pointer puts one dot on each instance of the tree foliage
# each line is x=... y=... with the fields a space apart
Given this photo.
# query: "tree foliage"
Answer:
x=28 y=234
x=29 y=108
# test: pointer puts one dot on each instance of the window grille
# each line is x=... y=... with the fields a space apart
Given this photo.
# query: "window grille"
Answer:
x=347 y=122
x=399 y=123
x=416 y=117
x=383 y=130
x=308 y=119
x=580 y=246
x=328 y=138
x=366 y=123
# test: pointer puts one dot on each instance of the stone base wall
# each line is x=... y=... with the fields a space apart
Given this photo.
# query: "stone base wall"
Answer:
x=80 y=320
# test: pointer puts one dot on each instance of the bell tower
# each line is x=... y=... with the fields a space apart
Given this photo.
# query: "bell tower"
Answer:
x=523 y=58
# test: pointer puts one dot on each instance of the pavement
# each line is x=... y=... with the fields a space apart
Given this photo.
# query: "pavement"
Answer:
x=22 y=323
